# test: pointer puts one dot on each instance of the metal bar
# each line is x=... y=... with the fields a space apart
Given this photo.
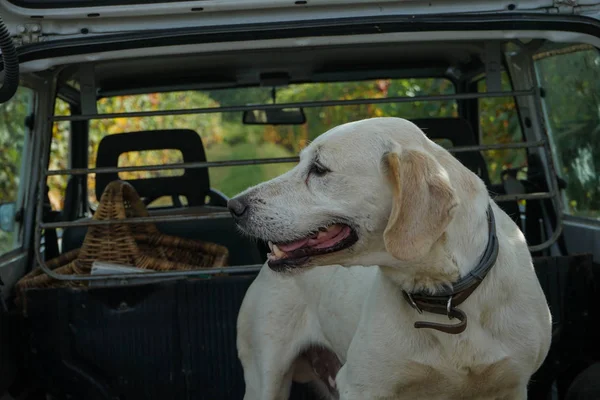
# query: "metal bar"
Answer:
x=250 y=268
x=69 y=94
x=136 y=220
x=303 y=104
x=499 y=146
x=230 y=163
x=191 y=165
x=224 y=215
x=551 y=240
x=552 y=177
x=45 y=140
x=530 y=196
x=240 y=269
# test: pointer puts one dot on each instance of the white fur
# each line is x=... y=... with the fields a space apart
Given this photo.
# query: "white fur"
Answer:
x=359 y=312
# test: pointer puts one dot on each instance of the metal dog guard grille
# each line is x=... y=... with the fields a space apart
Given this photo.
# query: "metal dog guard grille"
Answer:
x=552 y=194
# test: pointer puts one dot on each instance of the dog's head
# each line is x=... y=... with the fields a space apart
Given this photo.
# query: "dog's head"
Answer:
x=370 y=192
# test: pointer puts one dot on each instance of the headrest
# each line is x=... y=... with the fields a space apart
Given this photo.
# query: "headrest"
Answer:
x=459 y=132
x=194 y=184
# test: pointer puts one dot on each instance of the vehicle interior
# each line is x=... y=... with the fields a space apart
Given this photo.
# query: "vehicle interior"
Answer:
x=196 y=129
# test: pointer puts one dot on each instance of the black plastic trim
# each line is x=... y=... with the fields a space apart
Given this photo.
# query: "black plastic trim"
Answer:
x=329 y=27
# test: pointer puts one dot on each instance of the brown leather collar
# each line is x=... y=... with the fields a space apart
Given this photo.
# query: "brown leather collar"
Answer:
x=445 y=302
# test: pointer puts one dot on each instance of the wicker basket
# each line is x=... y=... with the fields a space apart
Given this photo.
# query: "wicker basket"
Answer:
x=138 y=245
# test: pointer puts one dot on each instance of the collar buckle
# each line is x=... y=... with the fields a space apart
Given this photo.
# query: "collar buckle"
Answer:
x=449 y=308
x=411 y=301
x=445 y=303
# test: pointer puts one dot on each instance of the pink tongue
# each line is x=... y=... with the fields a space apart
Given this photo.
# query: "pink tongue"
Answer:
x=323 y=237
x=293 y=245
x=340 y=234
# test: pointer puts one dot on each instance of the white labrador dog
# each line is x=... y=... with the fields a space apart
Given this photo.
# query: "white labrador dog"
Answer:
x=416 y=326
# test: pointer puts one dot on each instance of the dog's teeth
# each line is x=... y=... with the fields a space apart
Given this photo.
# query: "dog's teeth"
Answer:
x=331 y=382
x=277 y=252
x=270 y=245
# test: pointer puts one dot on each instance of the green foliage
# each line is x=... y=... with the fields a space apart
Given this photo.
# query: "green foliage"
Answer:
x=12 y=140
x=232 y=180
x=571 y=80
x=59 y=148
x=226 y=138
x=321 y=119
x=209 y=126
x=499 y=123
x=570 y=77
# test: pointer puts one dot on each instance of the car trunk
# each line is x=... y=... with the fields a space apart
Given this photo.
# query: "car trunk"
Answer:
x=174 y=337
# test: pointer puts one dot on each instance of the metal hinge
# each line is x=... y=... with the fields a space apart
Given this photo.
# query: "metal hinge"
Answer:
x=28 y=34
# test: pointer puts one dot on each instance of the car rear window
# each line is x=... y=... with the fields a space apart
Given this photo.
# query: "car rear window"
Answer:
x=226 y=137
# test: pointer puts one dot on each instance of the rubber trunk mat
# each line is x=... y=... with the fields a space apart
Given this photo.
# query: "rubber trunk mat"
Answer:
x=177 y=339
x=171 y=340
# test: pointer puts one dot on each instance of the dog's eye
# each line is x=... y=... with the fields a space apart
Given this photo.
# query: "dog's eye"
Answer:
x=318 y=170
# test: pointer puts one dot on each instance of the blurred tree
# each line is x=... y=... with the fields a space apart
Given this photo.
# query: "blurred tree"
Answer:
x=499 y=123
x=226 y=137
x=570 y=77
x=12 y=140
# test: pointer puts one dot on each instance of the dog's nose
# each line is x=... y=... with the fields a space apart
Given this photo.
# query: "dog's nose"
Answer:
x=237 y=207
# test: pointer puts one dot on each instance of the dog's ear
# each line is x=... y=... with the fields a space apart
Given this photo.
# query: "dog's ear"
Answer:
x=423 y=203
